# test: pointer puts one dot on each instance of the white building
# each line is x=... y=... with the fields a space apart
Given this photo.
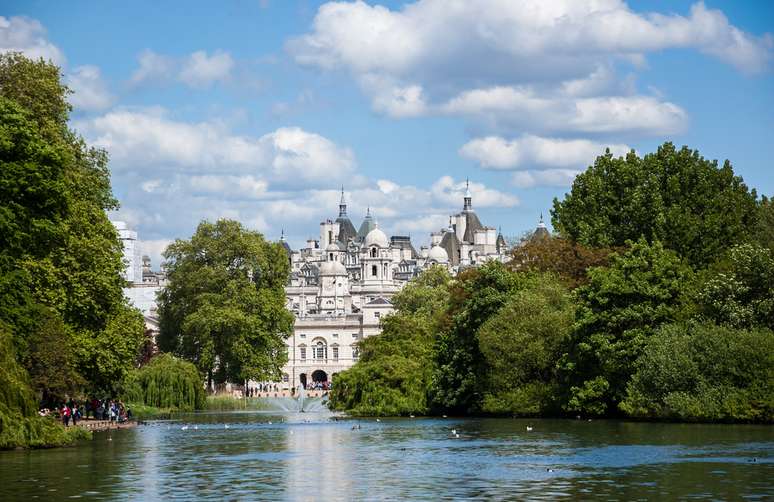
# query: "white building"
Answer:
x=341 y=285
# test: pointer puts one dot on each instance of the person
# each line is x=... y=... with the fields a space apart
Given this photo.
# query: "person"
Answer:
x=65 y=415
x=76 y=414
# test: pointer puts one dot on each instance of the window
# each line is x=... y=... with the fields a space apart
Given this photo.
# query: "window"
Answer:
x=377 y=314
x=320 y=350
x=285 y=377
x=302 y=336
x=373 y=270
x=354 y=335
x=335 y=335
x=302 y=351
x=355 y=353
x=373 y=252
x=335 y=353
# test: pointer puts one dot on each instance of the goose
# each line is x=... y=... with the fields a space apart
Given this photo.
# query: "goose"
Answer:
x=529 y=428
x=225 y=426
x=378 y=420
x=184 y=428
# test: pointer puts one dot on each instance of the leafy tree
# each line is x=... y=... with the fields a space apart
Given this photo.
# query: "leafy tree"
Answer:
x=58 y=249
x=476 y=295
x=764 y=229
x=393 y=373
x=522 y=344
x=739 y=291
x=563 y=257
x=618 y=310
x=673 y=196
x=704 y=372
x=166 y=382
x=224 y=306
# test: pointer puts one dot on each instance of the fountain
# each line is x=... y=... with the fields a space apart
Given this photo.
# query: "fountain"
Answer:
x=298 y=404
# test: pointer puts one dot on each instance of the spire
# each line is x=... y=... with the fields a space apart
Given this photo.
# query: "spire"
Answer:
x=342 y=204
x=540 y=223
x=368 y=212
x=282 y=235
x=468 y=204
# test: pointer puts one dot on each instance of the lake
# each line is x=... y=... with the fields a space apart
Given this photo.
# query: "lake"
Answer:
x=253 y=455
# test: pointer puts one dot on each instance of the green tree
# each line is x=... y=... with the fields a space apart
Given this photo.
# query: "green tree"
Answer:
x=522 y=344
x=764 y=229
x=393 y=373
x=476 y=295
x=57 y=247
x=166 y=382
x=224 y=306
x=618 y=310
x=673 y=196
x=704 y=372
x=739 y=291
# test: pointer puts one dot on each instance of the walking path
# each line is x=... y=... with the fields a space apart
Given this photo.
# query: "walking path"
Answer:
x=103 y=425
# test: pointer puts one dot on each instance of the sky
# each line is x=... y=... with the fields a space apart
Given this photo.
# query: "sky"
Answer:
x=261 y=110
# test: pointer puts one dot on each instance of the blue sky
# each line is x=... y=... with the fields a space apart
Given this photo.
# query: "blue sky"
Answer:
x=261 y=110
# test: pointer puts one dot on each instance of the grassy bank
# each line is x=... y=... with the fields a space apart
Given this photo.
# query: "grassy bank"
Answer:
x=228 y=403
x=144 y=412
x=37 y=432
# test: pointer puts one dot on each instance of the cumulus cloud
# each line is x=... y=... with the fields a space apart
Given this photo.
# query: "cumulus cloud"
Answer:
x=495 y=152
x=90 y=92
x=150 y=137
x=198 y=70
x=548 y=177
x=507 y=63
x=22 y=34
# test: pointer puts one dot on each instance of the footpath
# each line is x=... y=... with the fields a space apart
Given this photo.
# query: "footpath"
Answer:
x=103 y=425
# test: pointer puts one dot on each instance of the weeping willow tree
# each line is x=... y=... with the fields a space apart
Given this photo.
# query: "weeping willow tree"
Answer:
x=20 y=425
x=167 y=382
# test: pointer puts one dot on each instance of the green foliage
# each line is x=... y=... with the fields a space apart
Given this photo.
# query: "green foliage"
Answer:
x=764 y=229
x=166 y=382
x=522 y=344
x=20 y=425
x=458 y=382
x=704 y=372
x=60 y=257
x=673 y=196
x=225 y=302
x=394 y=371
x=739 y=291
x=618 y=310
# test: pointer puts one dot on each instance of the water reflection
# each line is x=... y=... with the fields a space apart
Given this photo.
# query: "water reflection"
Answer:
x=314 y=456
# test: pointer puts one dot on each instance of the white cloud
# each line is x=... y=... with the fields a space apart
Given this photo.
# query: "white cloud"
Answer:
x=89 y=90
x=153 y=67
x=447 y=190
x=287 y=155
x=508 y=64
x=28 y=36
x=528 y=151
x=198 y=70
x=506 y=108
x=548 y=177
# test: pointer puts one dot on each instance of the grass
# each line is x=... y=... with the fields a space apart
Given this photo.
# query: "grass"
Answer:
x=228 y=403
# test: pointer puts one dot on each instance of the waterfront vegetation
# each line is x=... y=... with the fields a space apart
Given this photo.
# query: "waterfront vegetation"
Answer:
x=166 y=383
x=654 y=300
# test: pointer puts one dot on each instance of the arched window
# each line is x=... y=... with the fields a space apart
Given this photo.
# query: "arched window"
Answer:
x=373 y=270
x=331 y=255
x=373 y=252
x=319 y=349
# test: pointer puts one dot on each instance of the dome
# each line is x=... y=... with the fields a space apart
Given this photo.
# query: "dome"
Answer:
x=332 y=247
x=376 y=238
x=332 y=268
x=438 y=254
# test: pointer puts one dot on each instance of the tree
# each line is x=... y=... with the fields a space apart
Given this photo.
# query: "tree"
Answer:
x=224 y=306
x=477 y=294
x=618 y=310
x=58 y=250
x=522 y=344
x=563 y=257
x=673 y=196
x=166 y=382
x=704 y=372
x=739 y=291
x=393 y=373
x=764 y=229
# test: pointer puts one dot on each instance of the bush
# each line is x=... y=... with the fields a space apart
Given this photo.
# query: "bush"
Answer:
x=704 y=372
x=166 y=382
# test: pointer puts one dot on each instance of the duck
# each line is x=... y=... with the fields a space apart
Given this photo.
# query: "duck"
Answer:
x=529 y=428
x=184 y=428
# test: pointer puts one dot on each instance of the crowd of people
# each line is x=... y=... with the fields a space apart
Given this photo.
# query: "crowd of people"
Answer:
x=104 y=409
x=318 y=385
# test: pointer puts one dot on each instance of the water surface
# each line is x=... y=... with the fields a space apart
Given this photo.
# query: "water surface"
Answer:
x=255 y=455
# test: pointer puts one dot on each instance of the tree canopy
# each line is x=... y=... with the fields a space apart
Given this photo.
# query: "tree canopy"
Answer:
x=224 y=305
x=677 y=197
x=60 y=257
